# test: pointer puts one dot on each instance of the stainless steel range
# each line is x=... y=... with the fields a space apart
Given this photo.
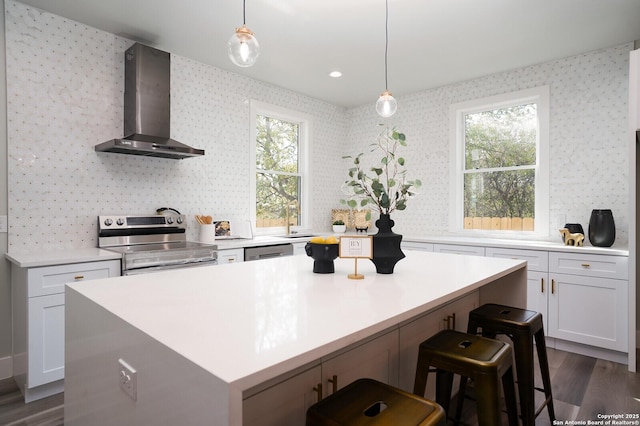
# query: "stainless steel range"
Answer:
x=153 y=243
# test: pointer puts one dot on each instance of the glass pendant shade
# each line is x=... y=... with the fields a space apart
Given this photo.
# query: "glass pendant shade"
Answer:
x=386 y=105
x=243 y=47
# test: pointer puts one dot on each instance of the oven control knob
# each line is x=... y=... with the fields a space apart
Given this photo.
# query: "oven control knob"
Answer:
x=108 y=222
x=179 y=219
x=119 y=222
x=169 y=220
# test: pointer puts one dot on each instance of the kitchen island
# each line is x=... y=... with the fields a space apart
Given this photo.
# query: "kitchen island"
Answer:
x=199 y=341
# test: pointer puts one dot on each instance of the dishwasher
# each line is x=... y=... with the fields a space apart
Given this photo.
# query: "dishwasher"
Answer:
x=268 y=252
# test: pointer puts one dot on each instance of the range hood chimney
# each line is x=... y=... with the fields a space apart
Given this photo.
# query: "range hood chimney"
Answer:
x=147 y=108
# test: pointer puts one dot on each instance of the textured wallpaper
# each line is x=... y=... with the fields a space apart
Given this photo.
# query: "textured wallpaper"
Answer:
x=588 y=139
x=65 y=93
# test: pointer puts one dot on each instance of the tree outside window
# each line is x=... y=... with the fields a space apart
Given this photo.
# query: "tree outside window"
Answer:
x=500 y=177
x=500 y=160
x=278 y=172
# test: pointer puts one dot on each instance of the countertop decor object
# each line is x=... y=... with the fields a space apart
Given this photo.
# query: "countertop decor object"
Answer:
x=384 y=186
x=602 y=228
x=573 y=228
x=323 y=256
x=339 y=226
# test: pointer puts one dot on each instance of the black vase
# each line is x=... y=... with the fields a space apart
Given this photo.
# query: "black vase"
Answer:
x=602 y=228
x=386 y=246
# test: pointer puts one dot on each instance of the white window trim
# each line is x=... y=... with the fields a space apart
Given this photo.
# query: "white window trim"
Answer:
x=539 y=95
x=304 y=122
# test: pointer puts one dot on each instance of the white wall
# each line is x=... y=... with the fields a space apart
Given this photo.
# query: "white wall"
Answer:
x=588 y=138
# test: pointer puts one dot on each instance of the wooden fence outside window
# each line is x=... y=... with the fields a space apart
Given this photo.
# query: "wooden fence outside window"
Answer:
x=500 y=223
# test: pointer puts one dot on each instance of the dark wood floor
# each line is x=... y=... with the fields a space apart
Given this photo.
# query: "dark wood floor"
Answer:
x=583 y=388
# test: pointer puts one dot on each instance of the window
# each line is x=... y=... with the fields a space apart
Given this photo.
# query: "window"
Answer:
x=500 y=178
x=280 y=180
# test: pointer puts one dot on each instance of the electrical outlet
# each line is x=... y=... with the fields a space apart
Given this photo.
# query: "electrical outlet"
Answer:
x=128 y=378
x=3 y=223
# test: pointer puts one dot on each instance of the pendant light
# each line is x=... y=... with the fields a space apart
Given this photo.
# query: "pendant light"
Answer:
x=243 y=46
x=386 y=105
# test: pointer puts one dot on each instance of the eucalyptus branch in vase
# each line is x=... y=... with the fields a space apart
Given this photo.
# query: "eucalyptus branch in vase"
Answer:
x=383 y=186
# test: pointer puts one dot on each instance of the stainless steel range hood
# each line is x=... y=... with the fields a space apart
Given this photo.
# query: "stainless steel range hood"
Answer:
x=147 y=108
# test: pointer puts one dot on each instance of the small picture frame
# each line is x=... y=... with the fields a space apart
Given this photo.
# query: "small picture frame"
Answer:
x=356 y=247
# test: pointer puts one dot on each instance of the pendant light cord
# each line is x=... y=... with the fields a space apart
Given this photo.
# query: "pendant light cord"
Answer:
x=386 y=43
x=244 y=13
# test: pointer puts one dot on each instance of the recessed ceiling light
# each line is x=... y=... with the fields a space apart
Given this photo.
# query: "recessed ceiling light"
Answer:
x=335 y=74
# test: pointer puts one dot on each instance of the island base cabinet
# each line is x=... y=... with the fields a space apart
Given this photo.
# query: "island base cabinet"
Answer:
x=285 y=403
x=376 y=359
x=454 y=315
x=589 y=310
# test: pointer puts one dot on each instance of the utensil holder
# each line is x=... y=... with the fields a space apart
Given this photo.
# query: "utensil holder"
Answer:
x=207 y=233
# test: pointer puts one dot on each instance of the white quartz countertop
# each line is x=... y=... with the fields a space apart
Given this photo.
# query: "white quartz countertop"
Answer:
x=248 y=322
x=60 y=257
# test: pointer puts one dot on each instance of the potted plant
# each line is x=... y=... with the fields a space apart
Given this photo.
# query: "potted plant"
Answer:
x=339 y=226
x=385 y=187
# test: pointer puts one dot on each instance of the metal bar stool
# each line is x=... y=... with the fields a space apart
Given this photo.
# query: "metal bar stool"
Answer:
x=522 y=327
x=367 y=402
x=484 y=360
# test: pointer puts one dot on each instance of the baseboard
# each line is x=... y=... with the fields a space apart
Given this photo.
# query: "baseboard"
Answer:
x=6 y=367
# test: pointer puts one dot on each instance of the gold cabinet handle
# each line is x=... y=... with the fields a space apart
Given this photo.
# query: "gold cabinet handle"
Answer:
x=553 y=286
x=450 y=322
x=318 y=390
x=541 y=285
x=78 y=277
x=231 y=260
x=334 y=382
x=586 y=265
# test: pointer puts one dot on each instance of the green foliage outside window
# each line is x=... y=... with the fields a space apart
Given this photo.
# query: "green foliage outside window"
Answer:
x=277 y=177
x=500 y=161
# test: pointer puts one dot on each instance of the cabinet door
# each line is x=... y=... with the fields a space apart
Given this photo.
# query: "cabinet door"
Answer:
x=231 y=256
x=46 y=339
x=411 y=335
x=454 y=315
x=376 y=359
x=538 y=287
x=284 y=404
x=589 y=310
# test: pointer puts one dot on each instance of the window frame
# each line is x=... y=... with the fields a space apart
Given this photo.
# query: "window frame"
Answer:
x=457 y=111
x=304 y=128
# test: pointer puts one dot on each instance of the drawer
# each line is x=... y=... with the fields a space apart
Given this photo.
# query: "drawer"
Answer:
x=592 y=265
x=411 y=245
x=536 y=260
x=51 y=279
x=458 y=249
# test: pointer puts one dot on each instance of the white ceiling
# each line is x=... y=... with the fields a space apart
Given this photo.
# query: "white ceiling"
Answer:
x=431 y=42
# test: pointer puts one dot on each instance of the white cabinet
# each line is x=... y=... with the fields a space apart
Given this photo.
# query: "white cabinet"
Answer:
x=459 y=249
x=298 y=248
x=38 y=318
x=588 y=299
x=285 y=402
x=230 y=256
x=418 y=330
x=582 y=297
x=537 y=276
x=413 y=245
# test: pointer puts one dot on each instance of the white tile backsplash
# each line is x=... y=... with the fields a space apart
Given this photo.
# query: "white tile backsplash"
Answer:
x=65 y=91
